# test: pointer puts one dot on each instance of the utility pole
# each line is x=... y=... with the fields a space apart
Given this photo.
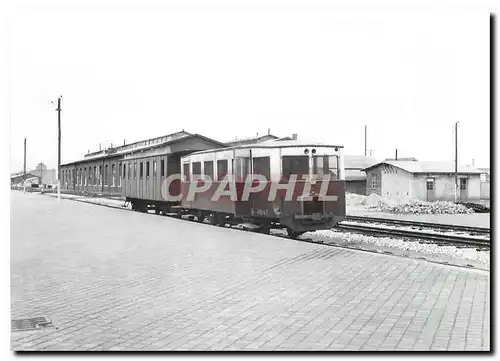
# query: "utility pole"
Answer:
x=456 y=160
x=58 y=148
x=365 y=139
x=396 y=153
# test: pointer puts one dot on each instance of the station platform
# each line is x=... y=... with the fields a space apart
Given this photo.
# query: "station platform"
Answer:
x=117 y=280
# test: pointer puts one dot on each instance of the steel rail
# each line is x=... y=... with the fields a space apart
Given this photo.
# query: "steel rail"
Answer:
x=440 y=238
x=452 y=227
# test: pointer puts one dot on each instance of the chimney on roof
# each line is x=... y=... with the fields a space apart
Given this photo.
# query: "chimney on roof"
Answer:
x=99 y=147
x=294 y=136
x=396 y=153
x=123 y=141
x=268 y=131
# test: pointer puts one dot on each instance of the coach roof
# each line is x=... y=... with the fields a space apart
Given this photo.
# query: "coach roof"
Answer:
x=271 y=144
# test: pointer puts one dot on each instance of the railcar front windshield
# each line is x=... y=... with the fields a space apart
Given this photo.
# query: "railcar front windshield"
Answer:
x=326 y=164
x=296 y=164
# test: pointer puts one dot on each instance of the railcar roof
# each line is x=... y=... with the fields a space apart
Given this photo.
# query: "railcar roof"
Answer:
x=271 y=144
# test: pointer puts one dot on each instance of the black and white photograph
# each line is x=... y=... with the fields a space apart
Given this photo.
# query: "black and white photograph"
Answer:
x=217 y=177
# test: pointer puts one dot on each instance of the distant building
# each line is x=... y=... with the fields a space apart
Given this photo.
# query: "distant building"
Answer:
x=18 y=178
x=428 y=181
x=355 y=176
x=48 y=176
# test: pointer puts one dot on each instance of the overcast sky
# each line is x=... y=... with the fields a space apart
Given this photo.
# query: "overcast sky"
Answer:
x=147 y=71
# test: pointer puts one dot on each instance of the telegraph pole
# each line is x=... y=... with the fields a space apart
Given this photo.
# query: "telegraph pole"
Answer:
x=59 y=148
x=365 y=139
x=456 y=160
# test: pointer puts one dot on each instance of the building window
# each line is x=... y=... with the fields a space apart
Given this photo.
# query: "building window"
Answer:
x=154 y=169
x=162 y=167
x=85 y=176
x=113 y=175
x=430 y=184
x=95 y=176
x=209 y=169
x=147 y=169
x=374 y=181
x=106 y=175
x=463 y=184
x=100 y=175
x=221 y=169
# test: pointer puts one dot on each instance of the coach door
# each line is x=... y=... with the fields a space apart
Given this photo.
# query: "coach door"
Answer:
x=242 y=164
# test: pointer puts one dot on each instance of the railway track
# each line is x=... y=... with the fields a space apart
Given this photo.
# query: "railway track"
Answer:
x=420 y=225
x=444 y=239
x=389 y=232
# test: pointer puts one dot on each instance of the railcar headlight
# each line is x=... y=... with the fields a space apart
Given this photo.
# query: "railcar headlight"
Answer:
x=336 y=149
x=313 y=151
x=306 y=151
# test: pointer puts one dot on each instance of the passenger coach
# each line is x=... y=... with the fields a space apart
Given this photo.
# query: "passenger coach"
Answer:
x=293 y=196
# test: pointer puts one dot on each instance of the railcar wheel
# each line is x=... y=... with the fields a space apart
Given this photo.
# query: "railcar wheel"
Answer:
x=201 y=217
x=293 y=234
x=264 y=229
x=157 y=211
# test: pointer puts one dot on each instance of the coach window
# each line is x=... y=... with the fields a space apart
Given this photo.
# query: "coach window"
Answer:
x=154 y=169
x=209 y=169
x=95 y=176
x=129 y=170
x=295 y=165
x=113 y=175
x=185 y=170
x=162 y=167
x=106 y=175
x=221 y=169
x=196 y=168
x=141 y=169
x=100 y=175
x=262 y=166
x=147 y=169
x=135 y=170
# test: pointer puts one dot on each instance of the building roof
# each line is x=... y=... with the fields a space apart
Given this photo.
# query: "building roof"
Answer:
x=428 y=167
x=354 y=174
x=358 y=161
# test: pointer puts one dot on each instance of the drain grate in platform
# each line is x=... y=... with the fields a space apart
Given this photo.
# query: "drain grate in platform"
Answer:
x=29 y=324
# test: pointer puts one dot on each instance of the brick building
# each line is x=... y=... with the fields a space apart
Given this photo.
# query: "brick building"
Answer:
x=427 y=181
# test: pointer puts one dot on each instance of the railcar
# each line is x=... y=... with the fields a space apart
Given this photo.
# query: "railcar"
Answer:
x=283 y=184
